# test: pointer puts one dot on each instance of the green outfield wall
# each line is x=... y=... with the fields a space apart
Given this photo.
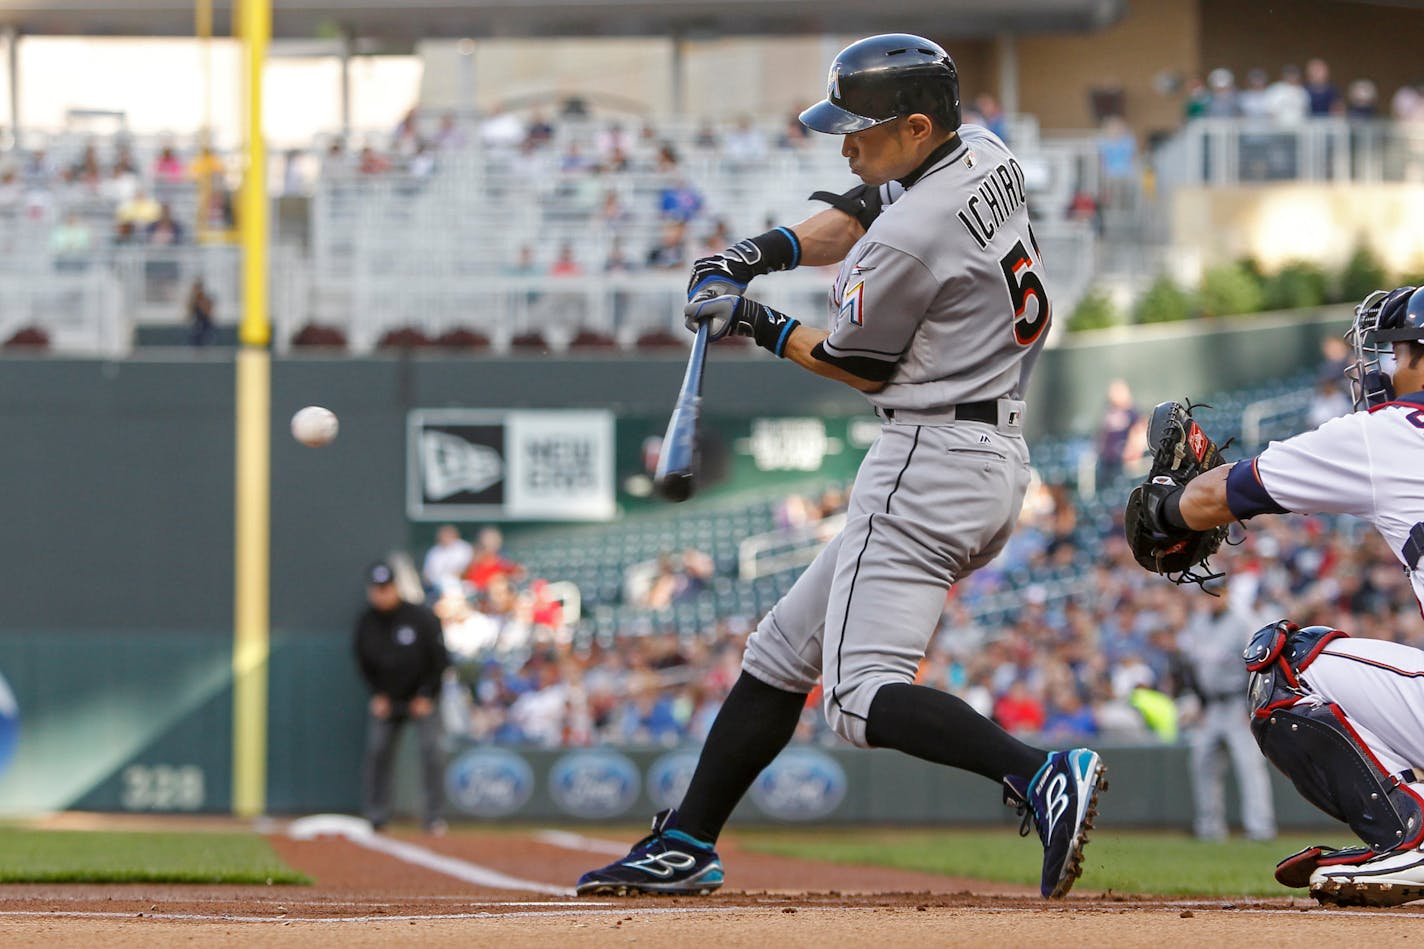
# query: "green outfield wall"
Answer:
x=117 y=499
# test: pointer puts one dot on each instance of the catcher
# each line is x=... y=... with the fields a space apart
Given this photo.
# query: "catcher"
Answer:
x=1342 y=717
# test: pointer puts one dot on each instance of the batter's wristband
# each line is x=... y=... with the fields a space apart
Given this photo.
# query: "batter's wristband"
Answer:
x=780 y=250
x=771 y=329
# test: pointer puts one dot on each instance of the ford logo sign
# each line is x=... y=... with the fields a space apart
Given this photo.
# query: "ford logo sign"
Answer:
x=594 y=784
x=801 y=784
x=489 y=782
x=669 y=776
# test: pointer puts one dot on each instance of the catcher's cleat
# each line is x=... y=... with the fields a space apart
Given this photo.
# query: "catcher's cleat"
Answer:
x=1295 y=870
x=1387 y=880
x=667 y=861
x=1060 y=801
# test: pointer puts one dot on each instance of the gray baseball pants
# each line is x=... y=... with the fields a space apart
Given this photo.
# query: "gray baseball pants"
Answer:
x=933 y=501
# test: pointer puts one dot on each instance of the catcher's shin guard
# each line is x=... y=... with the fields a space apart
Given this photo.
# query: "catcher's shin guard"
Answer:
x=1314 y=745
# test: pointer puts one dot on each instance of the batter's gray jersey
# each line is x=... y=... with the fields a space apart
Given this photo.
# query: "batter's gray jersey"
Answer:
x=947 y=285
x=943 y=298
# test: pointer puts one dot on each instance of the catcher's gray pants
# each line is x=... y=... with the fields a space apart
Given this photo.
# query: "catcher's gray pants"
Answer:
x=381 y=736
x=931 y=504
x=1225 y=729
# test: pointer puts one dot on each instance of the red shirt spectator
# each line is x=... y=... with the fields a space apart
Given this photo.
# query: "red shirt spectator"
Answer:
x=1018 y=711
x=488 y=563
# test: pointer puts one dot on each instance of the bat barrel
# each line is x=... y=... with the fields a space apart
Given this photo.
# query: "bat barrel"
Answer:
x=677 y=462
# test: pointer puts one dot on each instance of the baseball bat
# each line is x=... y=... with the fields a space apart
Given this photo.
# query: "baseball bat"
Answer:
x=675 y=478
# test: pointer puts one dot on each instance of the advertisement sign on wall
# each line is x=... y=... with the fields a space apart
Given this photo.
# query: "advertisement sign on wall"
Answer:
x=472 y=464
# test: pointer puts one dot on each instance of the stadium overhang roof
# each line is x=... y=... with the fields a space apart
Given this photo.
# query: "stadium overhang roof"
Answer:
x=408 y=20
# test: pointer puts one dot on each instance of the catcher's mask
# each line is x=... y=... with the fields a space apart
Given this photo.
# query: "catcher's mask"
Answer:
x=1382 y=319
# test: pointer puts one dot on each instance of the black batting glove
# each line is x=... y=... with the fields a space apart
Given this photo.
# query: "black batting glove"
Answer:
x=732 y=269
x=733 y=315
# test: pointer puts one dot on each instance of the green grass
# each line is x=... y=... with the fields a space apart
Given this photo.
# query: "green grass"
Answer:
x=68 y=856
x=1143 y=863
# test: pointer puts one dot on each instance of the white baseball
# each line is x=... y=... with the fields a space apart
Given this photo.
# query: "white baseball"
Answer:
x=314 y=426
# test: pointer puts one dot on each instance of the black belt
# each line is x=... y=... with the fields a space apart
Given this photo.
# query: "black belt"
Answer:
x=986 y=411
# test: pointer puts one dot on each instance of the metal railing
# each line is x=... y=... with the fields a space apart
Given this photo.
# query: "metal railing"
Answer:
x=1254 y=151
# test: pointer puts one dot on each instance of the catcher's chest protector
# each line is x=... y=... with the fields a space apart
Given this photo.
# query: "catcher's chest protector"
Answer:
x=1312 y=743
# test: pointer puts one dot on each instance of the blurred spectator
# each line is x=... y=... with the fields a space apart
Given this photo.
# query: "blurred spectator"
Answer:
x=612 y=140
x=1324 y=96
x=139 y=211
x=201 y=320
x=679 y=200
x=1115 y=443
x=1196 y=99
x=1217 y=723
x=1019 y=711
x=540 y=132
x=407 y=132
x=71 y=242
x=168 y=168
x=1331 y=397
x=446 y=560
x=744 y=145
x=1288 y=101
x=565 y=265
x=1224 y=101
x=1255 y=99
x=1117 y=159
x=617 y=260
x=372 y=162
x=488 y=563
x=524 y=265
x=670 y=253
x=400 y=652
x=991 y=116
x=574 y=160
x=165 y=230
x=1361 y=100
x=449 y=134
x=793 y=135
x=677 y=579
x=502 y=131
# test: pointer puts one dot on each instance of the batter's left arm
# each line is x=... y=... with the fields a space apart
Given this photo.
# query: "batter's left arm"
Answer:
x=801 y=349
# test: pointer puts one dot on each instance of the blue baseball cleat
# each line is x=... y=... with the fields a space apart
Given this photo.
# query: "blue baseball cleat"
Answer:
x=666 y=861
x=1060 y=801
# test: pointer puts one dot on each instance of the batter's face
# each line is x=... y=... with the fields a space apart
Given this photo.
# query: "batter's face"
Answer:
x=885 y=152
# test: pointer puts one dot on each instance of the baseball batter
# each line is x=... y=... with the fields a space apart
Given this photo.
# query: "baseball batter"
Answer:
x=1343 y=717
x=937 y=314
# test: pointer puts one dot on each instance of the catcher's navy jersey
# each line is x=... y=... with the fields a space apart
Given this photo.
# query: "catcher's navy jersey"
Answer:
x=947 y=284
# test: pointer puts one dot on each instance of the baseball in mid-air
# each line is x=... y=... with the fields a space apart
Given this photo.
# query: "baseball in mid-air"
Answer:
x=314 y=426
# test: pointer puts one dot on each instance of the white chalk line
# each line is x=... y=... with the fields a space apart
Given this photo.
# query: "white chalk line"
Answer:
x=1207 y=907
x=570 y=841
x=453 y=866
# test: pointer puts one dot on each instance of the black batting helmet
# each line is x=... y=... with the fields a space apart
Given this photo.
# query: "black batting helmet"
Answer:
x=1383 y=319
x=887 y=77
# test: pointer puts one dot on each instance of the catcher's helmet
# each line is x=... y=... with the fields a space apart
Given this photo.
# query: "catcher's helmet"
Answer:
x=1384 y=318
x=886 y=77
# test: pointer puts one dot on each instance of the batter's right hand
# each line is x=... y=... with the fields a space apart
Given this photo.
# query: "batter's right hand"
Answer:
x=381 y=706
x=725 y=312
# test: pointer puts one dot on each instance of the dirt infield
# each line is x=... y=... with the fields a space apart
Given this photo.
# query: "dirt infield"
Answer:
x=467 y=886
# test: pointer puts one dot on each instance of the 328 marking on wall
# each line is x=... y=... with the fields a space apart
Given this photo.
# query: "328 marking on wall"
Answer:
x=162 y=787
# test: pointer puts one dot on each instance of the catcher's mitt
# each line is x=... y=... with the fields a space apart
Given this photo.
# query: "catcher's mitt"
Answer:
x=1180 y=452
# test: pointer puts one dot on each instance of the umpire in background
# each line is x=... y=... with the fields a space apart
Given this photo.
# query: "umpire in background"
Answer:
x=1211 y=647
x=400 y=648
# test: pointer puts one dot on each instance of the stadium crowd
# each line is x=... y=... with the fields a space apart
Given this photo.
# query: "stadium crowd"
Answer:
x=96 y=193
x=1062 y=637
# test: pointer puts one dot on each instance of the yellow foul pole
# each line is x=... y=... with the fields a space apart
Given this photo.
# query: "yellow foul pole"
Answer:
x=251 y=644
